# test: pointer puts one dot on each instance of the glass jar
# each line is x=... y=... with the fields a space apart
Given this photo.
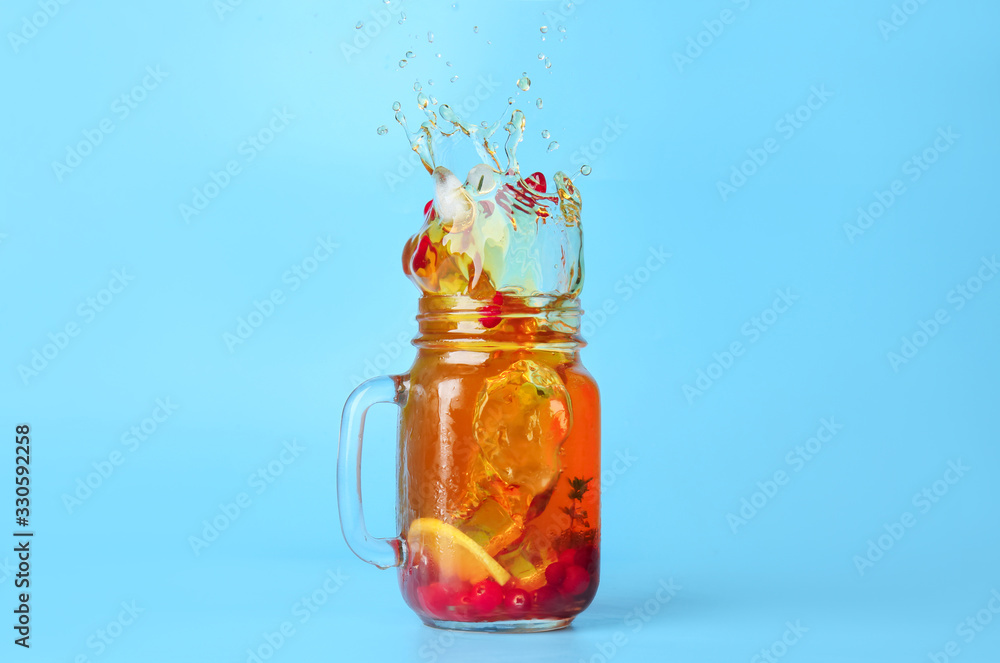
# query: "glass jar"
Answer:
x=498 y=467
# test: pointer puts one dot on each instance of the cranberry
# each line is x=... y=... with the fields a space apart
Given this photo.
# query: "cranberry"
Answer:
x=568 y=557
x=576 y=582
x=545 y=602
x=586 y=557
x=555 y=573
x=537 y=182
x=434 y=598
x=486 y=596
x=492 y=312
x=517 y=600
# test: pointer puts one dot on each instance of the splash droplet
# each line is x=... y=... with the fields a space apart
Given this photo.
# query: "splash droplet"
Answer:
x=544 y=29
x=359 y=25
x=585 y=169
x=545 y=133
x=434 y=100
x=417 y=87
x=402 y=18
x=553 y=146
x=422 y=100
x=510 y=100
x=396 y=105
x=430 y=81
x=562 y=28
x=383 y=130
x=448 y=63
x=548 y=63
x=430 y=37
x=454 y=78
x=410 y=54
x=524 y=82
x=538 y=102
x=541 y=56
x=475 y=28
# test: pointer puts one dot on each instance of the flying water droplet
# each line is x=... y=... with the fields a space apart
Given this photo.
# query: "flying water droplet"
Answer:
x=448 y=63
x=585 y=169
x=562 y=28
x=544 y=29
x=359 y=25
x=430 y=37
x=524 y=82
x=454 y=78
x=417 y=87
x=396 y=105
x=434 y=100
x=538 y=102
x=410 y=54
x=548 y=63
x=545 y=133
x=541 y=56
x=402 y=18
x=430 y=81
x=383 y=130
x=553 y=146
x=475 y=28
x=422 y=100
x=510 y=100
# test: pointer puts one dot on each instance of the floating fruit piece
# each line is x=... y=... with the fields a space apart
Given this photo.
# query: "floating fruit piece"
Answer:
x=537 y=182
x=568 y=557
x=434 y=598
x=545 y=600
x=526 y=575
x=453 y=552
x=491 y=313
x=491 y=526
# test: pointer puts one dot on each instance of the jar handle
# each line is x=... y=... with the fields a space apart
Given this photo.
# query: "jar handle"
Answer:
x=383 y=553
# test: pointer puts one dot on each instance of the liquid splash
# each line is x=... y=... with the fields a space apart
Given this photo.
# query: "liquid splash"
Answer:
x=497 y=232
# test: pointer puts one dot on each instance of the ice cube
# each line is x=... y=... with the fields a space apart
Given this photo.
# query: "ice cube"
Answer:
x=522 y=418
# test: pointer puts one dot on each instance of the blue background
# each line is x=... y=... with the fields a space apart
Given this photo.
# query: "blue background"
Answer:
x=684 y=126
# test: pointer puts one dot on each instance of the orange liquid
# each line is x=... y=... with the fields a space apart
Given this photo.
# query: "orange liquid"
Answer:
x=504 y=445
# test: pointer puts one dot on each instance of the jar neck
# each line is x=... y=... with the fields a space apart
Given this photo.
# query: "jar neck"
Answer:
x=507 y=322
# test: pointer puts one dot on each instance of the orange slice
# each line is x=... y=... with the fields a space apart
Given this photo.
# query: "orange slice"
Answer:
x=454 y=551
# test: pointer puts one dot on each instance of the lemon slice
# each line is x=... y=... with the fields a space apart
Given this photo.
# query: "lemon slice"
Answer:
x=454 y=551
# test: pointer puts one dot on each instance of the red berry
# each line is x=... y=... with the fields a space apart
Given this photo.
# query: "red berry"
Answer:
x=568 y=557
x=537 y=182
x=486 y=596
x=517 y=600
x=435 y=599
x=576 y=582
x=555 y=573
x=586 y=558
